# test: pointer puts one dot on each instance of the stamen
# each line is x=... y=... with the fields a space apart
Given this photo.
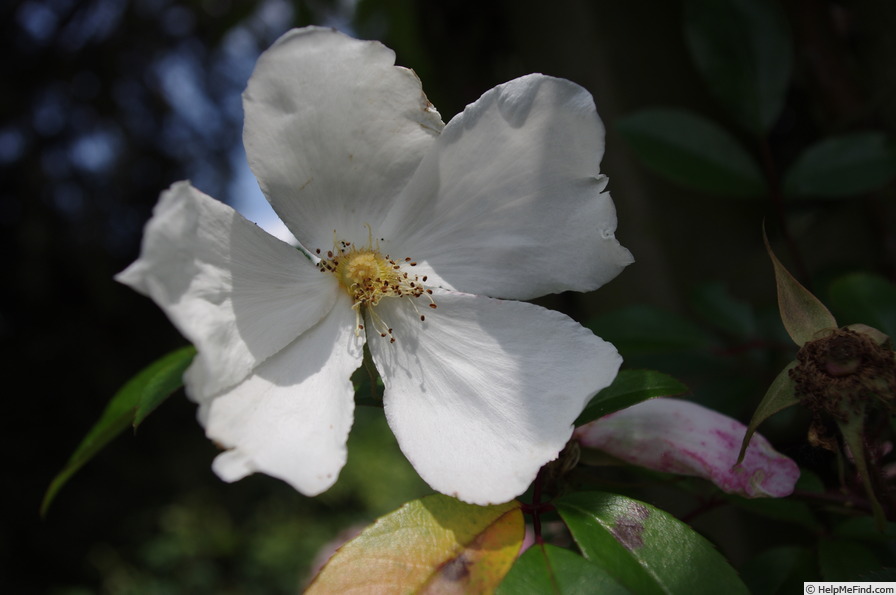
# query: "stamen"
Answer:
x=368 y=276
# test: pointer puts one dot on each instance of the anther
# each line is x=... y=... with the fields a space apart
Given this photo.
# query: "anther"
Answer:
x=433 y=306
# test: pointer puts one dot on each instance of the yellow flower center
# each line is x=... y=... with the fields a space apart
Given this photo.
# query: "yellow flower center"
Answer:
x=368 y=276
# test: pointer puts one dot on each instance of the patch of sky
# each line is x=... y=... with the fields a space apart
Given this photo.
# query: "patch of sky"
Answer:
x=238 y=54
x=55 y=163
x=130 y=97
x=12 y=145
x=341 y=16
x=271 y=19
x=68 y=198
x=241 y=50
x=247 y=198
x=38 y=19
x=148 y=8
x=178 y=21
x=178 y=73
x=92 y=22
x=97 y=150
x=48 y=114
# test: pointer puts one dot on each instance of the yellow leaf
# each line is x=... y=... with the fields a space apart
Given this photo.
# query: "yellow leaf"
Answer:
x=433 y=545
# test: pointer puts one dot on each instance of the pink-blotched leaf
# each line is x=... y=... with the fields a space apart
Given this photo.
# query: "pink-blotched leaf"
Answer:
x=803 y=314
x=646 y=550
x=433 y=545
x=676 y=436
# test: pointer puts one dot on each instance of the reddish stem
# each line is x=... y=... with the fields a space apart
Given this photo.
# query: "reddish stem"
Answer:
x=537 y=507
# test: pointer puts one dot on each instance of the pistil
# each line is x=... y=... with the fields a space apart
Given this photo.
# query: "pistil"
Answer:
x=368 y=277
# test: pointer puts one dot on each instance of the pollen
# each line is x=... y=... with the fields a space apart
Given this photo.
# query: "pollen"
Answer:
x=369 y=276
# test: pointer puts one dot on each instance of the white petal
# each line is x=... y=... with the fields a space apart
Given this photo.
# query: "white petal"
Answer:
x=235 y=292
x=291 y=418
x=333 y=132
x=509 y=202
x=681 y=437
x=484 y=392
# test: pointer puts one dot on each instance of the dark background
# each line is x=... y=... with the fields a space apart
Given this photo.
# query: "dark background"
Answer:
x=107 y=102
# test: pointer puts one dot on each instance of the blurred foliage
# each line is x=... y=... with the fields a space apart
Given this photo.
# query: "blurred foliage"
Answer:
x=788 y=105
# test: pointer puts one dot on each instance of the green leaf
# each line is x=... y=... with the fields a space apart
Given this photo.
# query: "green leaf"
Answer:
x=779 y=570
x=843 y=166
x=639 y=330
x=435 y=544
x=785 y=510
x=780 y=396
x=715 y=304
x=803 y=314
x=130 y=405
x=744 y=51
x=863 y=528
x=647 y=550
x=692 y=151
x=865 y=298
x=549 y=570
x=167 y=376
x=628 y=388
x=841 y=560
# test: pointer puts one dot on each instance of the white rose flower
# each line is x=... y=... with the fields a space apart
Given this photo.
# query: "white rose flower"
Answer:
x=408 y=230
